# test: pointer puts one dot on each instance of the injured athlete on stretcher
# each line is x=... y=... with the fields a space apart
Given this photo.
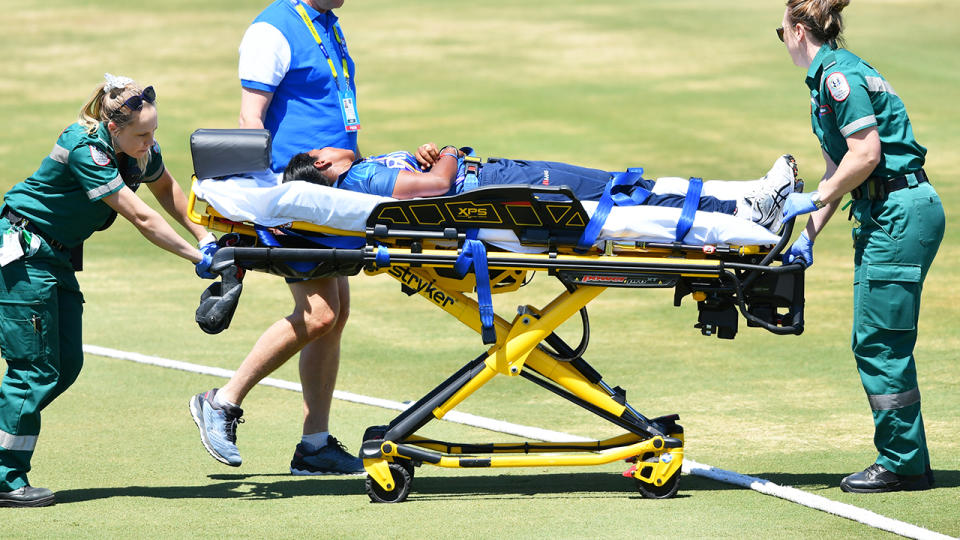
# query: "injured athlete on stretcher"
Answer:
x=434 y=171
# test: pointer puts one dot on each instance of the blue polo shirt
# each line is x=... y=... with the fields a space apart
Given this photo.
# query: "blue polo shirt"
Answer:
x=278 y=54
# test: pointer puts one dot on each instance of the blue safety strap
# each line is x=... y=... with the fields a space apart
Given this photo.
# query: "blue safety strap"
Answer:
x=690 y=205
x=382 y=259
x=268 y=239
x=474 y=255
x=617 y=192
x=471 y=178
x=627 y=192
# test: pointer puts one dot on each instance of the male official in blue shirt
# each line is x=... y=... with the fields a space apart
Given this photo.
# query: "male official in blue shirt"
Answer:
x=288 y=82
x=298 y=82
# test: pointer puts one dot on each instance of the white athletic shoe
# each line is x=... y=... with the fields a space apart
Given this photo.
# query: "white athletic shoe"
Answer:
x=766 y=200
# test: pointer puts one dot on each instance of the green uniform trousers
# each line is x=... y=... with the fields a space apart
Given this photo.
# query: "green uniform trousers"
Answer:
x=40 y=339
x=895 y=242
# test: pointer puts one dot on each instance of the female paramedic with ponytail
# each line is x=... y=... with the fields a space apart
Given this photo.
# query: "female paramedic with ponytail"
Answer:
x=870 y=152
x=88 y=178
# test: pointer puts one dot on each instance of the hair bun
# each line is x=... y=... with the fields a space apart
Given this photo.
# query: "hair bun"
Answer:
x=838 y=5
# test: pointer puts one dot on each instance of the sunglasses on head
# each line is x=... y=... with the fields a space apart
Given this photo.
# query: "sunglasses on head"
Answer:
x=780 y=33
x=135 y=103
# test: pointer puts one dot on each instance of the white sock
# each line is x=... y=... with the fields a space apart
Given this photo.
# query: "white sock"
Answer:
x=220 y=402
x=314 y=441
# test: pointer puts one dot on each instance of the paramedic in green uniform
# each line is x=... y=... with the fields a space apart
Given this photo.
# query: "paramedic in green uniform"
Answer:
x=88 y=178
x=871 y=153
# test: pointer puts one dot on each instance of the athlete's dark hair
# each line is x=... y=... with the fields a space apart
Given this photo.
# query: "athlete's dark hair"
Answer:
x=300 y=167
x=821 y=17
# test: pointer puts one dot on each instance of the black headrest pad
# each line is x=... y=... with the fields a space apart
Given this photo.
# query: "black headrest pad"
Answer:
x=227 y=152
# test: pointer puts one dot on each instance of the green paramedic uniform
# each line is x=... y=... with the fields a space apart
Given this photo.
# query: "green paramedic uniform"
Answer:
x=49 y=213
x=900 y=224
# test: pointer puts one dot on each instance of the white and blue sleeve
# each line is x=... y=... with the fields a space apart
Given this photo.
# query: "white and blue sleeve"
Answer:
x=264 y=57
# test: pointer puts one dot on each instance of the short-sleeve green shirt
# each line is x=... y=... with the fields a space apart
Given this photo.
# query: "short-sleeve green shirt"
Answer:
x=847 y=95
x=64 y=197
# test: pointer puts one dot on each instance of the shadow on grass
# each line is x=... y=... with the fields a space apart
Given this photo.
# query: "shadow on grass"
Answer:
x=425 y=488
x=240 y=487
x=818 y=481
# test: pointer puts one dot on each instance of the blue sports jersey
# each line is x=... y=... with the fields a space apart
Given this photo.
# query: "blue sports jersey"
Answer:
x=377 y=175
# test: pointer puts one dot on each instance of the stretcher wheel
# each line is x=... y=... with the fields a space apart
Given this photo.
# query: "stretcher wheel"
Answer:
x=667 y=491
x=401 y=481
x=408 y=465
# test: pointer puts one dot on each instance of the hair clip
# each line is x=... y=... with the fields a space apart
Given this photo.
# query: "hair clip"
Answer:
x=115 y=82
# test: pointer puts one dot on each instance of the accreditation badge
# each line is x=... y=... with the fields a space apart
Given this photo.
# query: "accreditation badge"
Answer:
x=10 y=249
x=348 y=106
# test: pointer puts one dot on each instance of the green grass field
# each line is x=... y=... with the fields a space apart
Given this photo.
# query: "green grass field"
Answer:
x=682 y=88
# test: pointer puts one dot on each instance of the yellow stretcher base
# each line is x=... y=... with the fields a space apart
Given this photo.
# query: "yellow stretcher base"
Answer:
x=390 y=453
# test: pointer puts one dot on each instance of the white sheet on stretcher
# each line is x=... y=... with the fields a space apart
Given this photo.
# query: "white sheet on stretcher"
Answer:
x=264 y=201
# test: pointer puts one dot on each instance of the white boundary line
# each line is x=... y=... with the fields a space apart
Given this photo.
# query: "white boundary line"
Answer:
x=452 y=416
x=759 y=485
x=812 y=501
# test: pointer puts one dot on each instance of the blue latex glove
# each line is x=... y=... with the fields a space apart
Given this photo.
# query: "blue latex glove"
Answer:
x=203 y=267
x=800 y=251
x=796 y=204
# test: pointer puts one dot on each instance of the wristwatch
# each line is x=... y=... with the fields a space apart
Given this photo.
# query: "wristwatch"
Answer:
x=815 y=199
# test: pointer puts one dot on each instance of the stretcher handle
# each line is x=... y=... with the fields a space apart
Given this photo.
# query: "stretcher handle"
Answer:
x=773 y=254
x=228 y=256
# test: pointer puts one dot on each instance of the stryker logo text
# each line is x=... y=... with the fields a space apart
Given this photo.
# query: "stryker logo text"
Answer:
x=421 y=286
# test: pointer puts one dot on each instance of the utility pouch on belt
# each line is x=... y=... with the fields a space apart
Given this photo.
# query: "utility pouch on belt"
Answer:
x=877 y=189
x=76 y=257
x=874 y=189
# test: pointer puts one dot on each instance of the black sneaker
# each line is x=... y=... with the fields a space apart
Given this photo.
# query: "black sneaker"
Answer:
x=331 y=459
x=877 y=479
x=26 y=497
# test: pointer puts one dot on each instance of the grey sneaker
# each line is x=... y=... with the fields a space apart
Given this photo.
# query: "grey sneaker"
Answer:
x=331 y=459
x=767 y=199
x=218 y=427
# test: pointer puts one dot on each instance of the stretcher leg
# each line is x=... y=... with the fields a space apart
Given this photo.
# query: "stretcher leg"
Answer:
x=391 y=452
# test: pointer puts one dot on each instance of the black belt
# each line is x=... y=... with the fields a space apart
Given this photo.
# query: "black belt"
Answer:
x=17 y=220
x=877 y=189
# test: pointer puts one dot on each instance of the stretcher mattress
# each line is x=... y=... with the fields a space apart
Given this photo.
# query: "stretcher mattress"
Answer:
x=263 y=200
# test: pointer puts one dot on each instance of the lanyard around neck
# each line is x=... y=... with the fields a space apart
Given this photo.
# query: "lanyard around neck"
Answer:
x=343 y=56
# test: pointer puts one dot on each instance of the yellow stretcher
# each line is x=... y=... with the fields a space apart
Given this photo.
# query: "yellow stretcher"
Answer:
x=419 y=243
